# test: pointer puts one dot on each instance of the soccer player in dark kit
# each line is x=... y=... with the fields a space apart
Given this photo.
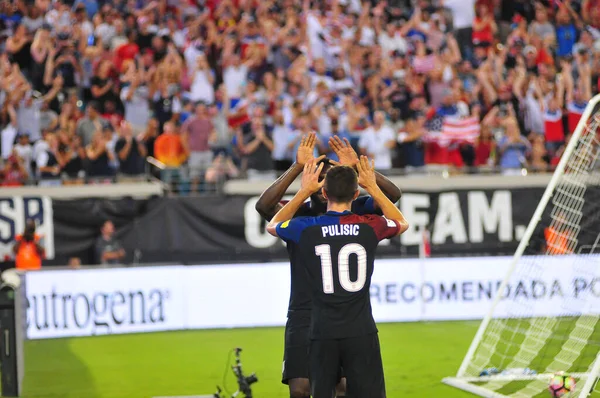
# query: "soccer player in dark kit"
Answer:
x=295 y=365
x=337 y=250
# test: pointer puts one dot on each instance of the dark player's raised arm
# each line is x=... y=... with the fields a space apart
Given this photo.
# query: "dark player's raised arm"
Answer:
x=310 y=185
x=389 y=189
x=269 y=202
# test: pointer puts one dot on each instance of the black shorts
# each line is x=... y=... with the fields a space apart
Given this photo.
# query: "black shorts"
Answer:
x=295 y=351
x=361 y=359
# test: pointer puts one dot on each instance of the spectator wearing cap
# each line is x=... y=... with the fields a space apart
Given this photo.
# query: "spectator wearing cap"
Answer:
x=130 y=151
x=196 y=132
x=378 y=141
x=90 y=124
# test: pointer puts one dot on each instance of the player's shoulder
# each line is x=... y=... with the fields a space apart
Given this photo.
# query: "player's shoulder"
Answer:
x=360 y=218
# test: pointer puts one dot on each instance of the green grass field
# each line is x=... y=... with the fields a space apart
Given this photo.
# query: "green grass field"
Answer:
x=416 y=356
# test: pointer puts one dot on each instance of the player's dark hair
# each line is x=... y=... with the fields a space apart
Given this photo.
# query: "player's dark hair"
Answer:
x=341 y=183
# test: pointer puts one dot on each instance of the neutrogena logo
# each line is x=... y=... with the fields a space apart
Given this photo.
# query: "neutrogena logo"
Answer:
x=99 y=312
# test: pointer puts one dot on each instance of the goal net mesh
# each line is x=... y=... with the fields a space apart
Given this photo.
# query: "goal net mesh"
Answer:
x=549 y=320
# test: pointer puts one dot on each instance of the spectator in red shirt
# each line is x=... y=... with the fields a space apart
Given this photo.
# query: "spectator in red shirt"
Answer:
x=484 y=26
x=14 y=173
x=127 y=51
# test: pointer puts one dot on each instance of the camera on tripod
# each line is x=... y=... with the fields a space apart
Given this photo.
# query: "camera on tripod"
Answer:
x=244 y=382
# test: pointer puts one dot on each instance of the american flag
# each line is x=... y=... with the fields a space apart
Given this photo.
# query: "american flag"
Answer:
x=453 y=130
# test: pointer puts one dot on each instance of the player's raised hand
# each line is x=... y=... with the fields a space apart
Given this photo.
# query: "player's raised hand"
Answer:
x=310 y=176
x=366 y=173
x=344 y=151
x=306 y=150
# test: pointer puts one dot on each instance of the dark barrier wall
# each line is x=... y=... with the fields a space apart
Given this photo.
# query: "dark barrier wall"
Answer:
x=227 y=229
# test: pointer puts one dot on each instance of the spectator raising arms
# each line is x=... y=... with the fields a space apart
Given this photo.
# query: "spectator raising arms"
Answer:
x=328 y=67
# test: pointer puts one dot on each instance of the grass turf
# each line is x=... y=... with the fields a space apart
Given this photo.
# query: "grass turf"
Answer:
x=416 y=356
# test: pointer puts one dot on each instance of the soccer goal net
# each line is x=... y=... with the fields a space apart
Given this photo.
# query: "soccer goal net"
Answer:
x=551 y=321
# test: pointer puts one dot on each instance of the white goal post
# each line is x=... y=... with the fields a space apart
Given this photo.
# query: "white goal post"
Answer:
x=524 y=340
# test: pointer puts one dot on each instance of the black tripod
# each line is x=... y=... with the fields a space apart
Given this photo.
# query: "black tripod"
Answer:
x=244 y=382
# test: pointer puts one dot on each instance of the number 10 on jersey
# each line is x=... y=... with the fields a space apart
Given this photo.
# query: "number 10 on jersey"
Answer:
x=343 y=261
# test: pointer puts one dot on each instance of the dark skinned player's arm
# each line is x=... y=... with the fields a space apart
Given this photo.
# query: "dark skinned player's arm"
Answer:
x=269 y=202
x=388 y=188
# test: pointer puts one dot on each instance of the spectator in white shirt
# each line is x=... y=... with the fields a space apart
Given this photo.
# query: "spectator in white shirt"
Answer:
x=203 y=77
x=235 y=77
x=391 y=40
x=463 y=14
x=378 y=142
x=282 y=135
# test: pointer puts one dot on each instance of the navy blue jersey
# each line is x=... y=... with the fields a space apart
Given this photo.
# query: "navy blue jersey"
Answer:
x=337 y=251
x=300 y=296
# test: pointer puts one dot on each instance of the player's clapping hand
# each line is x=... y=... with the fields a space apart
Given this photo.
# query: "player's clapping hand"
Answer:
x=306 y=150
x=366 y=173
x=344 y=151
x=310 y=177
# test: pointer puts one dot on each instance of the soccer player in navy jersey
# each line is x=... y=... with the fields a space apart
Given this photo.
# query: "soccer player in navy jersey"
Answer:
x=295 y=364
x=337 y=251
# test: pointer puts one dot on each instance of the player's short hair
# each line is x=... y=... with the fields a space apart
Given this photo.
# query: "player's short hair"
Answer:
x=341 y=183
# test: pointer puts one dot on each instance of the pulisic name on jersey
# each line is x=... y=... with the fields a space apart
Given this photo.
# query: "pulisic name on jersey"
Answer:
x=340 y=230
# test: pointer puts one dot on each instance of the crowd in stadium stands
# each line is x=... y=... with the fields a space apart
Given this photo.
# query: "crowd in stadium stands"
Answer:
x=218 y=89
